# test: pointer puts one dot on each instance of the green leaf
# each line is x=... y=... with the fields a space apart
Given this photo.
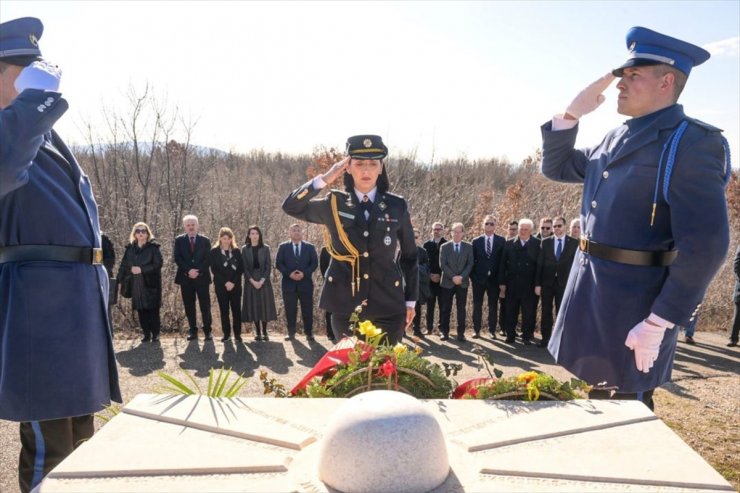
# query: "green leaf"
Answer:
x=180 y=387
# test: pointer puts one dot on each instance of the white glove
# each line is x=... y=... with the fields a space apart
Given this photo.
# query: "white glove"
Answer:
x=644 y=339
x=39 y=75
x=590 y=98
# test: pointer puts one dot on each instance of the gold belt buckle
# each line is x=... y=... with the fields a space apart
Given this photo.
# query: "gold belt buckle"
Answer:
x=584 y=244
x=97 y=256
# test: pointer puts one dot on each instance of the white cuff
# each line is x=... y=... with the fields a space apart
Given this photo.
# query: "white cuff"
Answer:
x=660 y=321
x=410 y=304
x=318 y=183
x=560 y=123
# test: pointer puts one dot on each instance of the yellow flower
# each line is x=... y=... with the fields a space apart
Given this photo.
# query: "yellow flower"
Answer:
x=399 y=349
x=368 y=329
x=418 y=350
x=527 y=376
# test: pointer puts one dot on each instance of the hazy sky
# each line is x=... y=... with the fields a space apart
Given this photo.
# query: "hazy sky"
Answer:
x=453 y=78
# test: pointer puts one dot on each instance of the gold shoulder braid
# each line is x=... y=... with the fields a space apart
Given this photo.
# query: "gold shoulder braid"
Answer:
x=353 y=257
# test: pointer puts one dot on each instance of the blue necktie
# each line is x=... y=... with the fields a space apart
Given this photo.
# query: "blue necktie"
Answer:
x=297 y=254
x=457 y=248
x=559 y=249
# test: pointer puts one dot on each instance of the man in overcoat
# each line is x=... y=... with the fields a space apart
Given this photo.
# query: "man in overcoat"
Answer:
x=57 y=365
x=191 y=252
x=648 y=250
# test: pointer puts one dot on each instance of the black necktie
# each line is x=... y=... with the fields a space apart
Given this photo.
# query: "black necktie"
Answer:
x=366 y=205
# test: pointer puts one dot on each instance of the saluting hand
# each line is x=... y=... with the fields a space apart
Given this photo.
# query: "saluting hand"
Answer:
x=336 y=171
x=589 y=99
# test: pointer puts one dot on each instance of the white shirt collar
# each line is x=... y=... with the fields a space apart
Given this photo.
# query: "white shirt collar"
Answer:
x=370 y=195
x=556 y=237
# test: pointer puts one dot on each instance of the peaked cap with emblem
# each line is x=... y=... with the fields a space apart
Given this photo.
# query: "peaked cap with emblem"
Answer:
x=648 y=47
x=19 y=38
x=366 y=147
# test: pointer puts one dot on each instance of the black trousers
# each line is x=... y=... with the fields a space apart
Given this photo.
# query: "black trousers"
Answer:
x=736 y=324
x=479 y=292
x=461 y=297
x=149 y=321
x=501 y=312
x=433 y=300
x=527 y=304
x=291 y=299
x=645 y=397
x=417 y=318
x=392 y=325
x=329 y=331
x=230 y=300
x=549 y=295
x=44 y=444
x=189 y=292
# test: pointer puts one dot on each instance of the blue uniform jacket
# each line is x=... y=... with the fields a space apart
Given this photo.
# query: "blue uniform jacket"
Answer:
x=56 y=352
x=604 y=300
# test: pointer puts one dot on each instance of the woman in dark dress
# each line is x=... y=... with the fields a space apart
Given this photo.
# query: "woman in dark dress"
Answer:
x=226 y=264
x=259 y=300
x=140 y=278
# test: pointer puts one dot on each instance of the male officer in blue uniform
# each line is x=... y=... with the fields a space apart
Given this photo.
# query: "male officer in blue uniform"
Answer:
x=365 y=224
x=57 y=365
x=654 y=220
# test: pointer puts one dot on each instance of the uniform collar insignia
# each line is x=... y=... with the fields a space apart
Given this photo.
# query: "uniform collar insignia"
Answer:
x=382 y=206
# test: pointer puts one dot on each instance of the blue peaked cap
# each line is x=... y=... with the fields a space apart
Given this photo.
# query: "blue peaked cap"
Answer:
x=648 y=47
x=20 y=38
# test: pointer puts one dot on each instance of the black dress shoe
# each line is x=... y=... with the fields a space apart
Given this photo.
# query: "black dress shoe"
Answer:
x=155 y=338
x=418 y=334
x=289 y=338
x=509 y=340
x=146 y=339
x=265 y=338
x=444 y=337
x=493 y=335
x=461 y=339
x=526 y=342
x=258 y=337
x=192 y=337
x=225 y=339
x=209 y=337
x=732 y=344
x=238 y=338
x=690 y=340
x=476 y=336
x=310 y=339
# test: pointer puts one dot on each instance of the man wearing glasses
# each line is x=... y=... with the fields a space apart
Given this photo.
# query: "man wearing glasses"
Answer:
x=545 y=228
x=553 y=266
x=435 y=273
x=487 y=250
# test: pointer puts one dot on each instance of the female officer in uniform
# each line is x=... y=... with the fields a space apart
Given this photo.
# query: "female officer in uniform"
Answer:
x=365 y=225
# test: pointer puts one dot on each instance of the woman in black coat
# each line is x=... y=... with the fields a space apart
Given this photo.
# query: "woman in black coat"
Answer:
x=226 y=264
x=140 y=278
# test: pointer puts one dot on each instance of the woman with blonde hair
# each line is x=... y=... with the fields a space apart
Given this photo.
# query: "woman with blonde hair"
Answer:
x=259 y=300
x=140 y=278
x=226 y=264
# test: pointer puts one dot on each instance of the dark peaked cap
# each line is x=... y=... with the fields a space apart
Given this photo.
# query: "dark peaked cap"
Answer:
x=648 y=47
x=366 y=147
x=20 y=38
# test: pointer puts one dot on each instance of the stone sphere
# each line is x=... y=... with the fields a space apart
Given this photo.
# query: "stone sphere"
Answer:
x=383 y=441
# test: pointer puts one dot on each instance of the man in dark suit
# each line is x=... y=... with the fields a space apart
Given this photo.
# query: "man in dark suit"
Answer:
x=324 y=260
x=193 y=275
x=736 y=297
x=553 y=266
x=424 y=284
x=296 y=260
x=487 y=250
x=435 y=274
x=517 y=280
x=512 y=231
x=456 y=263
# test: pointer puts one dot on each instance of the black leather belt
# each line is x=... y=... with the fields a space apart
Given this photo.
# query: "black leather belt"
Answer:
x=625 y=256
x=54 y=253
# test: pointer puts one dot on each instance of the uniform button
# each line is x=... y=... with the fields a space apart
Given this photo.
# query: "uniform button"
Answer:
x=365 y=276
x=396 y=283
x=365 y=234
x=605 y=174
x=330 y=279
x=365 y=254
x=593 y=204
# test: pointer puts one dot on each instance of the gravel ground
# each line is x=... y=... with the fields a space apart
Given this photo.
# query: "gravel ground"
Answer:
x=701 y=404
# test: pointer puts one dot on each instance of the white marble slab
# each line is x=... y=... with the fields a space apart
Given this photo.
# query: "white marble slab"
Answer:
x=182 y=444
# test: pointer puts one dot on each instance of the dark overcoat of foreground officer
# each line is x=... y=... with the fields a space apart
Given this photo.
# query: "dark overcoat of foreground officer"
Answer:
x=654 y=220
x=365 y=225
x=57 y=365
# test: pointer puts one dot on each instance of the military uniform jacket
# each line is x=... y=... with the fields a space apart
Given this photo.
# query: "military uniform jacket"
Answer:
x=604 y=300
x=56 y=353
x=385 y=284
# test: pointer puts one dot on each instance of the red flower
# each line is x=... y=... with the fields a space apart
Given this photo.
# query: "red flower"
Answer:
x=473 y=392
x=387 y=369
x=367 y=351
